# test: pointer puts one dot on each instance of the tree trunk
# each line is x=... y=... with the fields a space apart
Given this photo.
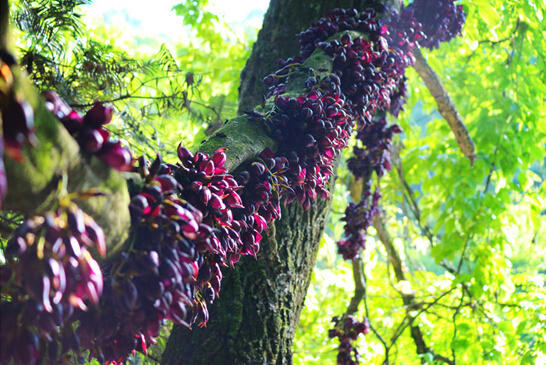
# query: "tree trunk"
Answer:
x=254 y=320
x=284 y=20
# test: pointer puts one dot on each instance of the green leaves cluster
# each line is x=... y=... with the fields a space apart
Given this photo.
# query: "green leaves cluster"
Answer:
x=473 y=240
x=161 y=98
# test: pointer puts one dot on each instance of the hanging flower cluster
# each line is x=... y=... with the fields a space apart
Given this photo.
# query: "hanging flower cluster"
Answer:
x=346 y=330
x=374 y=155
x=358 y=217
x=89 y=131
x=51 y=279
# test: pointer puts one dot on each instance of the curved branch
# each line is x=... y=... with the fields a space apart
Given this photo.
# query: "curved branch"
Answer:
x=360 y=286
x=446 y=106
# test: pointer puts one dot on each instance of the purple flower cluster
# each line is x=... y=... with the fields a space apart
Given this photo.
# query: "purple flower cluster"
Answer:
x=89 y=131
x=358 y=217
x=184 y=232
x=402 y=31
x=311 y=130
x=338 y=21
x=189 y=221
x=346 y=332
x=369 y=74
x=375 y=153
x=50 y=279
x=264 y=185
x=441 y=20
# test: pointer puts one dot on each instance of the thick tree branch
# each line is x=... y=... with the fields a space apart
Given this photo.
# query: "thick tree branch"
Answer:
x=446 y=106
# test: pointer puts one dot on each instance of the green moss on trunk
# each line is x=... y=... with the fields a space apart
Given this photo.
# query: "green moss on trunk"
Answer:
x=33 y=182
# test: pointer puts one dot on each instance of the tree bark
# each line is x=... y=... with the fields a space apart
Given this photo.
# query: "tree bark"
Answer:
x=283 y=21
x=254 y=320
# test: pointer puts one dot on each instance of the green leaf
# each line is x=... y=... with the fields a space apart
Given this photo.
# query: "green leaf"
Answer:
x=489 y=14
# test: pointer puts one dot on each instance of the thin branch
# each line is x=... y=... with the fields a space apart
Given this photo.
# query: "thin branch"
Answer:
x=443 y=359
x=408 y=298
x=409 y=197
x=131 y=95
x=128 y=96
x=153 y=358
x=379 y=337
x=509 y=38
x=457 y=311
x=460 y=265
x=412 y=319
x=446 y=106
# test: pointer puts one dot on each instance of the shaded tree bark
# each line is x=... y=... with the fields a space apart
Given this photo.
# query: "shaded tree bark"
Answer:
x=278 y=39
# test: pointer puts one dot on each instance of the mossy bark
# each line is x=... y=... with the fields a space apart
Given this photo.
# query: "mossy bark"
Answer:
x=33 y=181
x=254 y=320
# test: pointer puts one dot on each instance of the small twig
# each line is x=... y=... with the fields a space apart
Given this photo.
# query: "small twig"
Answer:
x=446 y=106
x=459 y=266
x=412 y=319
x=379 y=337
x=409 y=197
x=494 y=43
x=443 y=359
x=127 y=96
x=509 y=38
x=457 y=310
